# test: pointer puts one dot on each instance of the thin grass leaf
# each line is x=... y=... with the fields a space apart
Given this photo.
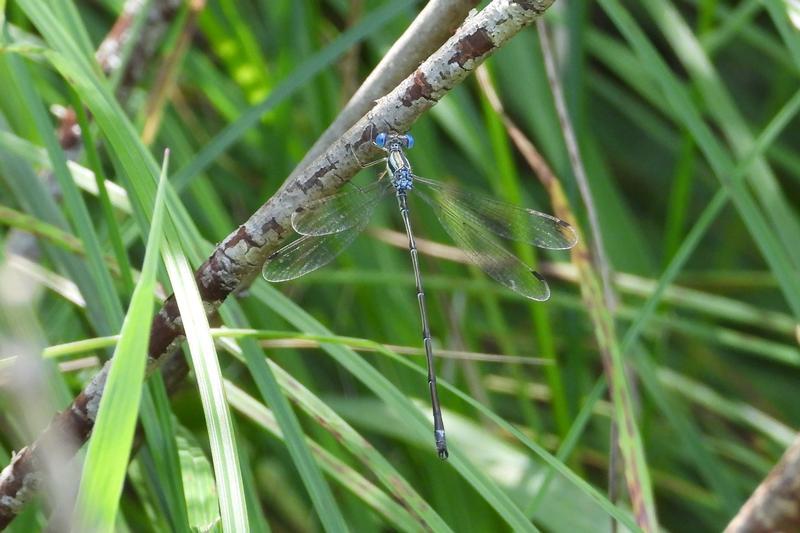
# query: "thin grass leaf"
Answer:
x=16 y=219
x=93 y=158
x=418 y=423
x=721 y=105
x=83 y=177
x=324 y=503
x=554 y=463
x=347 y=436
x=777 y=10
x=140 y=168
x=734 y=411
x=381 y=386
x=569 y=443
x=141 y=485
x=720 y=347
x=709 y=215
x=395 y=514
x=224 y=450
x=164 y=470
x=104 y=292
x=761 y=233
x=198 y=480
x=139 y=163
x=629 y=441
x=112 y=437
x=709 y=464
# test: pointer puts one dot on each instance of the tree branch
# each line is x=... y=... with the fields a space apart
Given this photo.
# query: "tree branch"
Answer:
x=434 y=24
x=775 y=504
x=237 y=260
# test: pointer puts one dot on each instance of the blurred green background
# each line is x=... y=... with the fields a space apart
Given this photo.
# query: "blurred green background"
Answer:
x=677 y=106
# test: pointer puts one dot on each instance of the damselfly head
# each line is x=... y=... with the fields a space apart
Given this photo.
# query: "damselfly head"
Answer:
x=394 y=141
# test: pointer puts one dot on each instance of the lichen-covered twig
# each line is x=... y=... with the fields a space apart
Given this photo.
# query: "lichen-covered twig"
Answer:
x=238 y=259
x=775 y=504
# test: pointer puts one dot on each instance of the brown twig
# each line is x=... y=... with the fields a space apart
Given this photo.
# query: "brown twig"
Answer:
x=237 y=260
x=775 y=504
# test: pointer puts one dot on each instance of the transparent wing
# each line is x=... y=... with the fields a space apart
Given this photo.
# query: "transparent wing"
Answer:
x=485 y=250
x=341 y=211
x=508 y=221
x=308 y=253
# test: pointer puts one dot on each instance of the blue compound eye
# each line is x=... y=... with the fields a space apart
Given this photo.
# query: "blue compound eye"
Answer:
x=409 y=141
x=380 y=139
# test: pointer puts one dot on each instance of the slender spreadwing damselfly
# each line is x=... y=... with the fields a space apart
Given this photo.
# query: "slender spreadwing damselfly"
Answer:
x=328 y=225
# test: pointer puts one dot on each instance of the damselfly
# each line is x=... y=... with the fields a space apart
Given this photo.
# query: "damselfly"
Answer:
x=328 y=225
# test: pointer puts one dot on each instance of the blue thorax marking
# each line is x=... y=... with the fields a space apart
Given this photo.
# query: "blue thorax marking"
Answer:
x=403 y=180
x=399 y=169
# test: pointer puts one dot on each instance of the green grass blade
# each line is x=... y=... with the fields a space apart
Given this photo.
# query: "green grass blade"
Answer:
x=763 y=236
x=722 y=107
x=733 y=411
x=708 y=216
x=93 y=158
x=76 y=208
x=336 y=468
x=417 y=422
x=83 y=177
x=570 y=442
x=346 y=435
x=328 y=511
x=104 y=111
x=710 y=466
x=165 y=475
x=777 y=12
x=198 y=478
x=224 y=450
x=112 y=437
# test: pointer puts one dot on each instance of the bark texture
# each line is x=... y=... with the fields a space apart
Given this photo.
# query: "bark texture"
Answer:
x=774 y=507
